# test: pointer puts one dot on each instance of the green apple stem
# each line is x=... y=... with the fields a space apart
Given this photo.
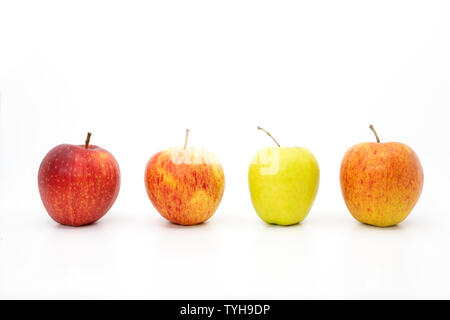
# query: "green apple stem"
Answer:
x=376 y=135
x=259 y=128
x=86 y=145
x=186 y=138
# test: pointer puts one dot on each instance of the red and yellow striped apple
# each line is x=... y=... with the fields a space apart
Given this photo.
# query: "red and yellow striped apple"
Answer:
x=381 y=182
x=78 y=184
x=185 y=185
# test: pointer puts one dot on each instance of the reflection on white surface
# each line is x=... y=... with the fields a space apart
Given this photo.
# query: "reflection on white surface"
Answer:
x=140 y=255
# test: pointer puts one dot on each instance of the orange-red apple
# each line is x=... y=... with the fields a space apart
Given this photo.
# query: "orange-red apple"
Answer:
x=78 y=184
x=185 y=185
x=381 y=182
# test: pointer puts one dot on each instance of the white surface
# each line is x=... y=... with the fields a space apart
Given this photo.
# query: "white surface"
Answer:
x=315 y=74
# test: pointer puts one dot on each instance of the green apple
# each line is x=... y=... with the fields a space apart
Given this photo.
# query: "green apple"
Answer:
x=283 y=183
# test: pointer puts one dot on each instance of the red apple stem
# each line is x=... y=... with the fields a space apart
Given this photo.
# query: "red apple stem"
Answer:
x=376 y=135
x=86 y=145
x=186 y=138
x=259 y=128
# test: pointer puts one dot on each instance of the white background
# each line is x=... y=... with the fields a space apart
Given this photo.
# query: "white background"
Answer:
x=137 y=73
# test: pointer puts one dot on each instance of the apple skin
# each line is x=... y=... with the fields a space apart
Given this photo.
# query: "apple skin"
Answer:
x=78 y=185
x=381 y=182
x=185 y=185
x=283 y=184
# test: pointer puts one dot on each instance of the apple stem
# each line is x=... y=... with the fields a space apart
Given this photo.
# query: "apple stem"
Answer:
x=376 y=135
x=259 y=128
x=86 y=145
x=186 y=138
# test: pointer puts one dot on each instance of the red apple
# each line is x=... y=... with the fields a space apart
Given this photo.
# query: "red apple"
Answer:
x=185 y=185
x=381 y=182
x=78 y=184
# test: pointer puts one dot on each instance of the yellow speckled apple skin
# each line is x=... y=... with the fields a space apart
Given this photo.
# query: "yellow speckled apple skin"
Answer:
x=283 y=184
x=381 y=182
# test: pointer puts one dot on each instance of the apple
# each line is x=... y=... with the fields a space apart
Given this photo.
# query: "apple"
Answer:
x=185 y=185
x=78 y=184
x=381 y=182
x=283 y=183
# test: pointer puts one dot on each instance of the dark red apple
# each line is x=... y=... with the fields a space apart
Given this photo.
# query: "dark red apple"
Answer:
x=78 y=184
